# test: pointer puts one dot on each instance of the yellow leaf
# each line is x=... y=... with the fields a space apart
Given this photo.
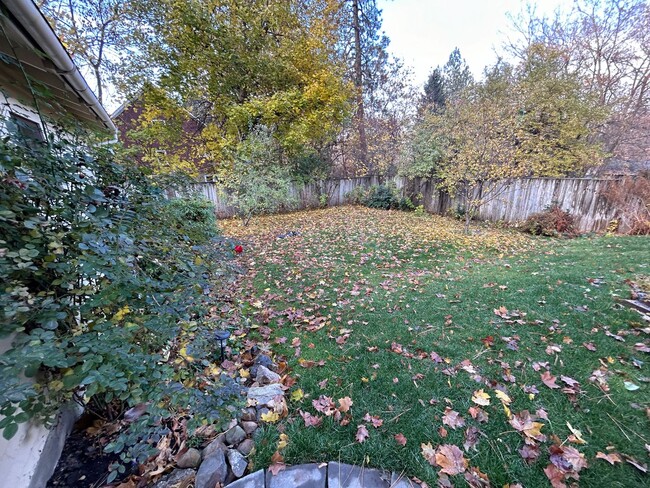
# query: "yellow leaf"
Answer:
x=183 y=354
x=119 y=315
x=270 y=417
x=481 y=398
x=505 y=399
x=284 y=440
x=244 y=373
x=297 y=395
x=578 y=435
x=507 y=411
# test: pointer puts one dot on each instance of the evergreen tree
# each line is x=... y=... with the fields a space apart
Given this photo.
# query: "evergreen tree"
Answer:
x=434 y=93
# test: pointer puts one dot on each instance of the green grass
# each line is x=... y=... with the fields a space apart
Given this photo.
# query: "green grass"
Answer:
x=390 y=277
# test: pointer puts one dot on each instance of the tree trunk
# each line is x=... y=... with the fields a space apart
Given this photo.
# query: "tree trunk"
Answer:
x=362 y=152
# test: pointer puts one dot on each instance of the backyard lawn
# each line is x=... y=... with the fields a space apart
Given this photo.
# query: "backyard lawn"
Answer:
x=454 y=359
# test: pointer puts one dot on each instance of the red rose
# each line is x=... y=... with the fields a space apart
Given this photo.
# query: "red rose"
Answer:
x=239 y=249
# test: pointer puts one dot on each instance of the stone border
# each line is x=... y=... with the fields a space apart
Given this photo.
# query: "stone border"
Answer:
x=330 y=475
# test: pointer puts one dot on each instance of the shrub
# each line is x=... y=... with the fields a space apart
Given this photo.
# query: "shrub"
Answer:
x=552 y=222
x=100 y=296
x=357 y=196
x=381 y=196
x=630 y=198
x=191 y=217
x=258 y=183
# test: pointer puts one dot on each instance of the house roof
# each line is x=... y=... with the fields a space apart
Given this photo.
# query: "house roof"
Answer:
x=29 y=46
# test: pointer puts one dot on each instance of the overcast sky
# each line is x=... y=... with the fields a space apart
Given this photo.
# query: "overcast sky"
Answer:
x=424 y=32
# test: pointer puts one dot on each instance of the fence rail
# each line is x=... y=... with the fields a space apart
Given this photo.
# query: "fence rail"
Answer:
x=518 y=199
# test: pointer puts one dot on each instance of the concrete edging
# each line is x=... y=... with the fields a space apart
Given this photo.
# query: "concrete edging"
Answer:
x=325 y=475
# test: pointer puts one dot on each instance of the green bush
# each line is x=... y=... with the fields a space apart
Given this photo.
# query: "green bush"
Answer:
x=382 y=196
x=101 y=297
x=192 y=217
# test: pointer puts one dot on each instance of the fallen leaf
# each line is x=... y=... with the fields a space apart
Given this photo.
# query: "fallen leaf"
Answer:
x=429 y=453
x=400 y=439
x=362 y=433
x=297 y=395
x=481 y=398
x=277 y=463
x=344 y=404
x=452 y=419
x=549 y=380
x=270 y=417
x=450 y=458
x=611 y=458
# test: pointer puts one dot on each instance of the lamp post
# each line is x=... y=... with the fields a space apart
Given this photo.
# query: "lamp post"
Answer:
x=222 y=336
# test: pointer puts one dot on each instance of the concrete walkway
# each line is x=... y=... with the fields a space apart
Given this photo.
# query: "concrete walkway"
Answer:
x=330 y=475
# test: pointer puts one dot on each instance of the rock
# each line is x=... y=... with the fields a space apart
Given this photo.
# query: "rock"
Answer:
x=237 y=462
x=246 y=447
x=249 y=414
x=235 y=435
x=260 y=412
x=213 y=470
x=261 y=360
x=264 y=394
x=189 y=459
x=175 y=479
x=218 y=444
x=249 y=427
x=265 y=376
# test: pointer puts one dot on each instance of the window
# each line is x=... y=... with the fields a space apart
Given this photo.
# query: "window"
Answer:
x=28 y=129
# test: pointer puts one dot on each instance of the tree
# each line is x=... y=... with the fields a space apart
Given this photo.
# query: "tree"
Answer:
x=94 y=32
x=476 y=137
x=456 y=75
x=533 y=119
x=370 y=68
x=232 y=67
x=558 y=118
x=434 y=93
x=606 y=44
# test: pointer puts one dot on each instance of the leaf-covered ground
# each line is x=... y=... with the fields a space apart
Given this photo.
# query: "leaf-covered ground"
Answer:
x=454 y=359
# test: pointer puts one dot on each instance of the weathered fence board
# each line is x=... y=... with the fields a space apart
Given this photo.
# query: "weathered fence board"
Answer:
x=516 y=200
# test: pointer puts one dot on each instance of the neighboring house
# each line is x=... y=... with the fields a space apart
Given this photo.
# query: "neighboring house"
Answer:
x=616 y=168
x=173 y=145
x=40 y=89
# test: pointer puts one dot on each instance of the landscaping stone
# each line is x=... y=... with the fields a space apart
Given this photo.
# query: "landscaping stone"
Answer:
x=265 y=376
x=213 y=470
x=249 y=427
x=175 y=479
x=261 y=411
x=249 y=414
x=237 y=462
x=246 y=447
x=264 y=394
x=303 y=476
x=190 y=459
x=218 y=444
x=347 y=476
x=254 y=480
x=235 y=435
x=401 y=481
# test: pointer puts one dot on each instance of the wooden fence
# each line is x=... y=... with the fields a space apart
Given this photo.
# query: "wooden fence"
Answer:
x=517 y=199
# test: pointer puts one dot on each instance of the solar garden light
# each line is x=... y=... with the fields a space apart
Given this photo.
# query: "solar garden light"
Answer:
x=222 y=336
